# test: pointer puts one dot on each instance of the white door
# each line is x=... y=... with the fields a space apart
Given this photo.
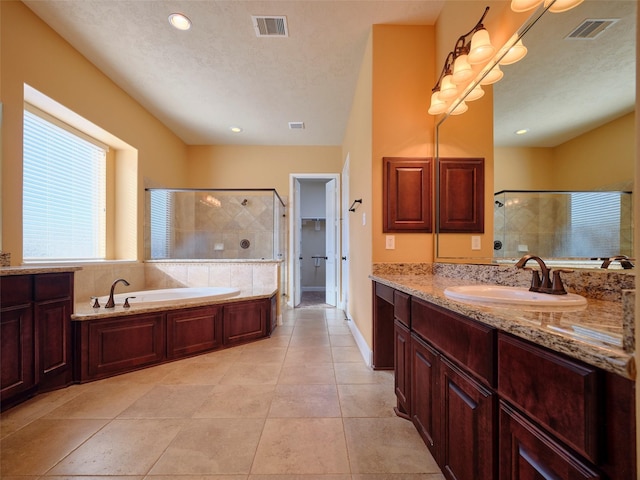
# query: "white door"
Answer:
x=345 y=237
x=297 y=245
x=332 y=251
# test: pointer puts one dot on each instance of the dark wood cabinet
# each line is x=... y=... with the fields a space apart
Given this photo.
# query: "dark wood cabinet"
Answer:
x=402 y=377
x=245 y=321
x=35 y=328
x=407 y=194
x=193 y=331
x=528 y=453
x=383 y=314
x=425 y=397
x=467 y=434
x=461 y=195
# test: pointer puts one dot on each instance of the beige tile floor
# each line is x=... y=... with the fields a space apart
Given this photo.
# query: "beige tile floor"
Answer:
x=301 y=405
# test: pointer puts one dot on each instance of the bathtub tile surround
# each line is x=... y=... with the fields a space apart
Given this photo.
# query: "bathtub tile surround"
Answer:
x=134 y=425
x=95 y=280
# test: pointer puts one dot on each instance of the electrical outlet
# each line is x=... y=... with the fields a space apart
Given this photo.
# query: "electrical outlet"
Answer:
x=390 y=242
x=475 y=242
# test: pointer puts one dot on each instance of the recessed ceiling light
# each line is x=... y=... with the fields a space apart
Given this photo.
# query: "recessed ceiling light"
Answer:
x=179 y=21
x=235 y=129
x=522 y=131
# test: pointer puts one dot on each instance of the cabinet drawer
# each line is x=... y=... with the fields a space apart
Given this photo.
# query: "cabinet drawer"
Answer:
x=466 y=341
x=15 y=290
x=402 y=308
x=559 y=393
x=52 y=286
x=384 y=292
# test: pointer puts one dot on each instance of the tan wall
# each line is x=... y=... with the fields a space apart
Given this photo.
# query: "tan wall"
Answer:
x=34 y=54
x=357 y=146
x=403 y=69
x=600 y=159
x=236 y=166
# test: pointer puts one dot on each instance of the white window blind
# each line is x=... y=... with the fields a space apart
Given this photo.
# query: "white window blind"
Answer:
x=64 y=184
x=595 y=223
x=161 y=227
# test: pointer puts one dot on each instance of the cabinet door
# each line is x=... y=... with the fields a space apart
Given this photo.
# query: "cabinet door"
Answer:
x=407 y=194
x=527 y=453
x=402 y=353
x=53 y=324
x=193 y=331
x=468 y=433
x=16 y=352
x=382 y=327
x=245 y=321
x=461 y=195
x=425 y=406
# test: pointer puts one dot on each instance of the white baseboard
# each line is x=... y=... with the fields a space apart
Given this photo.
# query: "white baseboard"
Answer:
x=312 y=289
x=365 y=351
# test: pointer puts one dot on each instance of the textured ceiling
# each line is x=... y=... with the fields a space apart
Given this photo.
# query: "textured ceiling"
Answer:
x=219 y=74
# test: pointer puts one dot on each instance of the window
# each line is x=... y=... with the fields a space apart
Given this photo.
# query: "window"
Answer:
x=64 y=192
x=595 y=224
x=161 y=212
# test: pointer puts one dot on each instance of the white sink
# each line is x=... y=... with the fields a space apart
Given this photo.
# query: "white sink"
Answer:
x=497 y=294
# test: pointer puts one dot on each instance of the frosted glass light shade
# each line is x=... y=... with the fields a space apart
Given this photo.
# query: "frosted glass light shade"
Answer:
x=515 y=54
x=448 y=89
x=524 y=5
x=438 y=105
x=462 y=71
x=493 y=76
x=481 y=48
x=474 y=94
x=460 y=108
x=562 y=5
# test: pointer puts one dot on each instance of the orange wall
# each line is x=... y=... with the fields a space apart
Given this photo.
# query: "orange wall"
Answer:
x=403 y=70
x=34 y=54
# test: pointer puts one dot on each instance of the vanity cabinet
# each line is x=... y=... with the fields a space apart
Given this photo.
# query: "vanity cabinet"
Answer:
x=193 y=331
x=245 y=321
x=490 y=405
x=383 y=329
x=35 y=334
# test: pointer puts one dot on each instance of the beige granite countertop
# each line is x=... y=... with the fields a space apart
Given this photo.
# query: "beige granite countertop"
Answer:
x=593 y=334
x=84 y=311
x=32 y=270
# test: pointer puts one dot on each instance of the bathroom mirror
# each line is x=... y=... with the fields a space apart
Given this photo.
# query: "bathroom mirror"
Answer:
x=569 y=93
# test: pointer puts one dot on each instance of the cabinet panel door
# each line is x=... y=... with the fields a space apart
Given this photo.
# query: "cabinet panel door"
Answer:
x=407 y=194
x=461 y=195
x=425 y=406
x=16 y=351
x=192 y=331
x=402 y=353
x=382 y=327
x=468 y=433
x=245 y=321
x=53 y=323
x=527 y=453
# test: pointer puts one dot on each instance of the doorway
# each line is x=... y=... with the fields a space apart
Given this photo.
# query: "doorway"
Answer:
x=314 y=240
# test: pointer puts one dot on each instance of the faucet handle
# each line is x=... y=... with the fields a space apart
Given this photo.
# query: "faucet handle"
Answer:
x=96 y=304
x=535 y=279
x=126 y=302
x=557 y=288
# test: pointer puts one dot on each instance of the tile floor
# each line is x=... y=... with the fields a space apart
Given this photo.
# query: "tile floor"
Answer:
x=301 y=405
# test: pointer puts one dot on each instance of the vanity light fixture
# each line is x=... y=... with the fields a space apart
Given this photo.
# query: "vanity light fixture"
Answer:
x=179 y=21
x=520 y=6
x=560 y=6
x=472 y=48
x=515 y=53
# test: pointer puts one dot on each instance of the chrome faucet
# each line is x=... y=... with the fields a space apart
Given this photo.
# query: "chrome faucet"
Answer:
x=110 y=302
x=544 y=284
x=625 y=262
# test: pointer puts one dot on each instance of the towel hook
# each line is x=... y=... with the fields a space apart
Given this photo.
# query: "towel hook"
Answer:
x=353 y=207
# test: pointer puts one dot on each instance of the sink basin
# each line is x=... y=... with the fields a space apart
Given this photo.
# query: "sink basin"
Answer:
x=497 y=294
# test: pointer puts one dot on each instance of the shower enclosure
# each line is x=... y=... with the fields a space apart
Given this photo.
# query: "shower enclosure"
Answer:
x=214 y=224
x=561 y=224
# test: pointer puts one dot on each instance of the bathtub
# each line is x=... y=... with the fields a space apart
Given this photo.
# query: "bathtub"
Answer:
x=171 y=296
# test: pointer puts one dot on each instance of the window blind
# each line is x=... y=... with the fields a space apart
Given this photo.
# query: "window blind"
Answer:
x=64 y=199
x=161 y=213
x=595 y=223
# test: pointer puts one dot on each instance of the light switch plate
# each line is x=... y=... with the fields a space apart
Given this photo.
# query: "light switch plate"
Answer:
x=390 y=242
x=475 y=242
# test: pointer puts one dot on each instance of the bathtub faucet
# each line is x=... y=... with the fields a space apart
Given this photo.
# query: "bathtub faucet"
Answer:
x=110 y=302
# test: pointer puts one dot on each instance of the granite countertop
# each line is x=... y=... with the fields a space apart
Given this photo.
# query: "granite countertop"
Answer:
x=27 y=270
x=593 y=334
x=84 y=311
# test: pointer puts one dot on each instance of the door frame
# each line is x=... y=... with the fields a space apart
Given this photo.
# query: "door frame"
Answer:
x=294 y=221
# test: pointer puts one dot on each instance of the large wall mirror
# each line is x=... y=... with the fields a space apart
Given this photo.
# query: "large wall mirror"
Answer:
x=574 y=96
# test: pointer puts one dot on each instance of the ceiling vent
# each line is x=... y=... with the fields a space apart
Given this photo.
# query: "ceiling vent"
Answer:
x=591 y=28
x=273 y=26
x=296 y=125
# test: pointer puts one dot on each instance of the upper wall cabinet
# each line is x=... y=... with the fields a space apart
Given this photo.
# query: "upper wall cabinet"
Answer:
x=461 y=195
x=407 y=194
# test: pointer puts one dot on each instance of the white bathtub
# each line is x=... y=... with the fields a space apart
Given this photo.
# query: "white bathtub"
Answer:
x=171 y=296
